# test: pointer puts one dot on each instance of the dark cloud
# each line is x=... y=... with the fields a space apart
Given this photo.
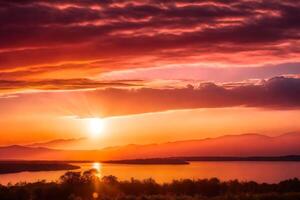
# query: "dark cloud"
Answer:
x=278 y=92
x=275 y=93
x=61 y=44
x=127 y=28
x=39 y=15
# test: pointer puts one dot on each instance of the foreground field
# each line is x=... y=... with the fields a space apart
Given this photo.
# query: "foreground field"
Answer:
x=88 y=185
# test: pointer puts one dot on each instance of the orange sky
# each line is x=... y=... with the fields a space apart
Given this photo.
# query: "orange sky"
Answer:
x=151 y=71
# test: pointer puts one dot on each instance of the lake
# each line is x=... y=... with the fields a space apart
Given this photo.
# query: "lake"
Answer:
x=270 y=172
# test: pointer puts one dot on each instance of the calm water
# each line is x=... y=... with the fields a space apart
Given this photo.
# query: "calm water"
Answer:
x=257 y=171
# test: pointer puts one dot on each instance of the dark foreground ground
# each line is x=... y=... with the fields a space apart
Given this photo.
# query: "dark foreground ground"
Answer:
x=87 y=186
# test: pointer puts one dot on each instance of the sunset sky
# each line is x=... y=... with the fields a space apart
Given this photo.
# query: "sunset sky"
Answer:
x=120 y=72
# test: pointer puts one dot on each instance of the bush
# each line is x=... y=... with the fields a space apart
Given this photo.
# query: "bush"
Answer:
x=88 y=186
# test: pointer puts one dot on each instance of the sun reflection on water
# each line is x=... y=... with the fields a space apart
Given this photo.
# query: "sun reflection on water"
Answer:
x=97 y=166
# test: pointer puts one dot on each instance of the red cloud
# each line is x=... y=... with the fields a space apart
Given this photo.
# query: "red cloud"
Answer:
x=122 y=32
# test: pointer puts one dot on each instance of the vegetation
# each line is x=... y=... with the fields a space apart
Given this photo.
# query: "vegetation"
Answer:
x=88 y=186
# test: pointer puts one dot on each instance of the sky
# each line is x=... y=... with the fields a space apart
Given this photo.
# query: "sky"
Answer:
x=138 y=72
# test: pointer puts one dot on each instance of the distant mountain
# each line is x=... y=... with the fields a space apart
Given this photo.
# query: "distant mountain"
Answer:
x=61 y=143
x=24 y=153
x=230 y=145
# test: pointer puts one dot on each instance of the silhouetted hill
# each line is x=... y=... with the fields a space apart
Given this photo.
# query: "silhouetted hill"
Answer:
x=24 y=153
x=230 y=145
x=227 y=146
x=61 y=143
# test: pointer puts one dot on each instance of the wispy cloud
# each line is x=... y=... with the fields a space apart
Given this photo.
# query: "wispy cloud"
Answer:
x=15 y=86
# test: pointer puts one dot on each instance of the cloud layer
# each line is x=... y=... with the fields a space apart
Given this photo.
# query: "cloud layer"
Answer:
x=15 y=86
x=275 y=93
x=78 y=39
x=278 y=93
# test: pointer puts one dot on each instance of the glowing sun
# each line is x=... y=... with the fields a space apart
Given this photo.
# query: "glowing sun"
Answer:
x=96 y=127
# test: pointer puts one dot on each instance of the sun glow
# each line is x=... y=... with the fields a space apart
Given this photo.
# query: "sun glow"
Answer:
x=96 y=127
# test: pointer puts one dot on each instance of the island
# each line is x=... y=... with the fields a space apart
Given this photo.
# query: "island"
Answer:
x=288 y=158
x=33 y=166
x=150 y=161
x=186 y=160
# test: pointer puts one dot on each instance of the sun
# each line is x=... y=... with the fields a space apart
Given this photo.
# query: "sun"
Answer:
x=96 y=127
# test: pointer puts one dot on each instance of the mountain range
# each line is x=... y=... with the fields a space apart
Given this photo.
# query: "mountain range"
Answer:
x=229 y=145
